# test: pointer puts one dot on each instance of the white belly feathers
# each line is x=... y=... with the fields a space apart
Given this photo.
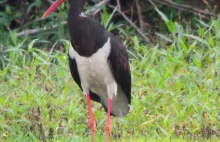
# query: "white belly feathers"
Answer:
x=96 y=75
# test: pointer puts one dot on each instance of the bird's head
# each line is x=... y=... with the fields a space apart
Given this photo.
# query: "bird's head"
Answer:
x=52 y=7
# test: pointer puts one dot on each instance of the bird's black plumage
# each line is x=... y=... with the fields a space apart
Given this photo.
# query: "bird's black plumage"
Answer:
x=118 y=61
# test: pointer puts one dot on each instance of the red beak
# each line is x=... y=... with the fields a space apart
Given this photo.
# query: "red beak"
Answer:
x=52 y=7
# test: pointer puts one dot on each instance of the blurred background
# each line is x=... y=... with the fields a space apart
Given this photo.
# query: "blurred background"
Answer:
x=22 y=15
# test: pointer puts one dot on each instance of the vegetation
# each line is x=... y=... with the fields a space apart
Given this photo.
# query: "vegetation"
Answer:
x=175 y=85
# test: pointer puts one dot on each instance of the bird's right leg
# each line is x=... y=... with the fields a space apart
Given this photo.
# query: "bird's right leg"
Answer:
x=107 y=126
x=91 y=118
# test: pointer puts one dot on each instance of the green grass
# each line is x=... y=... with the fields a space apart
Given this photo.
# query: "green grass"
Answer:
x=175 y=92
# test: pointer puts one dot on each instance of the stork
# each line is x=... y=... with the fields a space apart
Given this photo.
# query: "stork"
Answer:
x=98 y=63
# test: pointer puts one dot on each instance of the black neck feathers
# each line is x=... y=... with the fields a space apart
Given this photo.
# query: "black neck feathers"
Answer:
x=87 y=35
x=76 y=7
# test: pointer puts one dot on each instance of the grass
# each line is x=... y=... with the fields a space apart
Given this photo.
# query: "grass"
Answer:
x=175 y=92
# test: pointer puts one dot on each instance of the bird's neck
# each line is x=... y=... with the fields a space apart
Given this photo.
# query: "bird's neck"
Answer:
x=76 y=7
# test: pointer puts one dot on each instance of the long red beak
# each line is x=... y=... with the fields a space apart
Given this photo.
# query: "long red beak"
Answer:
x=52 y=7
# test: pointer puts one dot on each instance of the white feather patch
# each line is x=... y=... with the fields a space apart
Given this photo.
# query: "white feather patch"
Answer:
x=96 y=75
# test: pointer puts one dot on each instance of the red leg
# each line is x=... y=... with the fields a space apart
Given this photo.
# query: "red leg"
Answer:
x=91 y=118
x=107 y=126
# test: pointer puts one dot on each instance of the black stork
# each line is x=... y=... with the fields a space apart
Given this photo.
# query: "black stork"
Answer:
x=98 y=63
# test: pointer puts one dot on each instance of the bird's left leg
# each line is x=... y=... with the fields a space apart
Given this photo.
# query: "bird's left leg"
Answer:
x=91 y=118
x=112 y=90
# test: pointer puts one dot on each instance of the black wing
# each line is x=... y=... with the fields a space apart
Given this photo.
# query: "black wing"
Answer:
x=118 y=60
x=75 y=75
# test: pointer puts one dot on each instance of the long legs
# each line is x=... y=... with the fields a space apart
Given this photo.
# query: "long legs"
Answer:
x=91 y=118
